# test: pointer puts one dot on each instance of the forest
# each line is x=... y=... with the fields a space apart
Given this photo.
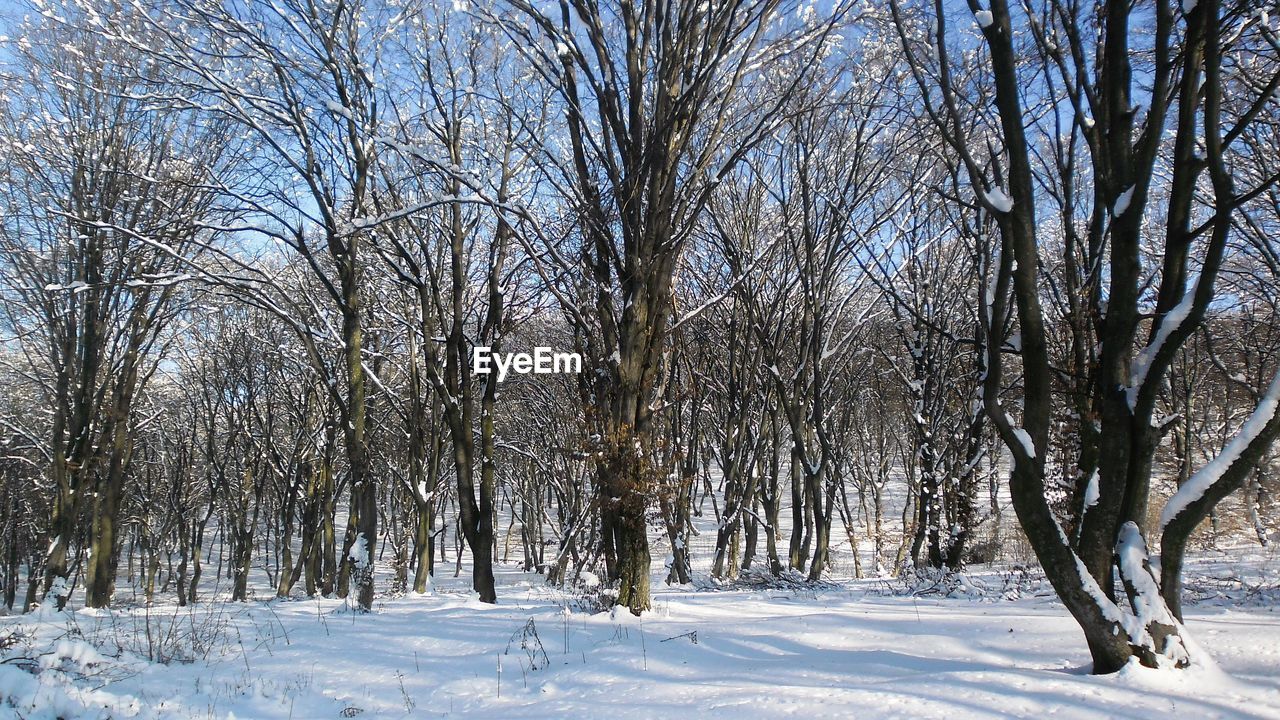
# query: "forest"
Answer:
x=844 y=291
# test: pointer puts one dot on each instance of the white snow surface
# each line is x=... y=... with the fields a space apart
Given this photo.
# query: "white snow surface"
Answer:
x=984 y=19
x=848 y=651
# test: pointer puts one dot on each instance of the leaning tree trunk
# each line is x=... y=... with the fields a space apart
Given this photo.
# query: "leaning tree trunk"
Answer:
x=1222 y=476
x=1123 y=395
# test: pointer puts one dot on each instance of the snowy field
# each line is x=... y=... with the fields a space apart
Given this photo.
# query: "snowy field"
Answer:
x=993 y=645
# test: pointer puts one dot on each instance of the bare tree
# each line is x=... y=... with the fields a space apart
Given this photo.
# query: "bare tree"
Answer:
x=467 y=150
x=302 y=80
x=1094 y=145
x=656 y=113
x=105 y=206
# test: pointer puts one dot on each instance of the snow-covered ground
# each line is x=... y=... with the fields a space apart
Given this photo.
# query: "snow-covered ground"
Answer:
x=993 y=645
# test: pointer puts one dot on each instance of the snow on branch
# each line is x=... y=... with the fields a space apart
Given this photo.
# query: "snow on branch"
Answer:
x=1024 y=437
x=1122 y=202
x=1171 y=321
x=998 y=199
x=1195 y=488
x=1149 y=607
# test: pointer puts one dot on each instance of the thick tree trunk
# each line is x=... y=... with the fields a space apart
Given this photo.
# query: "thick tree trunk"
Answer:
x=798 y=550
x=769 y=501
x=821 y=498
x=731 y=520
x=482 y=571
x=422 y=488
x=57 y=580
x=625 y=496
x=349 y=539
x=364 y=496
x=100 y=578
x=197 y=565
x=422 y=547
